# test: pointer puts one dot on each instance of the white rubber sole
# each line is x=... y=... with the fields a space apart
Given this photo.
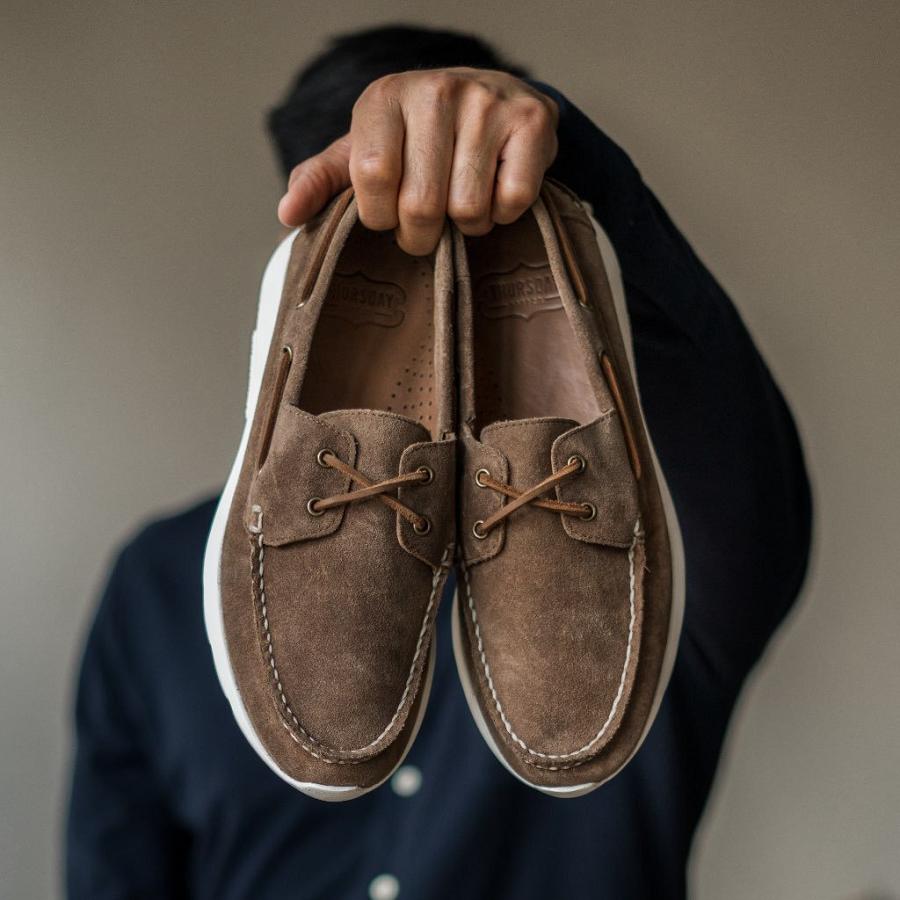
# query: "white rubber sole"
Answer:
x=267 y=313
x=676 y=615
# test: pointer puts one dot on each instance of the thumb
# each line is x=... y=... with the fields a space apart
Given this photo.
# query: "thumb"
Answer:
x=314 y=182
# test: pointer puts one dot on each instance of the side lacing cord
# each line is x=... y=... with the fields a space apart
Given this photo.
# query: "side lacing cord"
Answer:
x=484 y=479
x=370 y=489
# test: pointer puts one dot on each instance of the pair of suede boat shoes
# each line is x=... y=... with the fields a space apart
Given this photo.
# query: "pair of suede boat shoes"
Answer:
x=476 y=408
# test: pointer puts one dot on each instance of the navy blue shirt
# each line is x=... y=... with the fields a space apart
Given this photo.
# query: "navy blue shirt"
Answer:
x=168 y=799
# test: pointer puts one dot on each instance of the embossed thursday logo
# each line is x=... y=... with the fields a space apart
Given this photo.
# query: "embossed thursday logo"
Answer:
x=363 y=301
x=522 y=292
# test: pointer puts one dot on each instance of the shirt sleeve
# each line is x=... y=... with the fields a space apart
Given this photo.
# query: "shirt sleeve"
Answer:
x=724 y=434
x=121 y=841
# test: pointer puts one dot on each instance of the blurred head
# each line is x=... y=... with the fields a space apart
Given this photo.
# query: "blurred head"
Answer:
x=316 y=110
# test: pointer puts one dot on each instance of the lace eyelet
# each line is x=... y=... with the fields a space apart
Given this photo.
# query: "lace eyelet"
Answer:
x=425 y=526
x=310 y=507
x=478 y=477
x=476 y=530
x=590 y=512
x=428 y=475
x=320 y=457
x=577 y=458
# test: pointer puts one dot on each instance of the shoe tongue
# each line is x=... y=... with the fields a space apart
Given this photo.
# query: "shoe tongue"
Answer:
x=526 y=443
x=381 y=437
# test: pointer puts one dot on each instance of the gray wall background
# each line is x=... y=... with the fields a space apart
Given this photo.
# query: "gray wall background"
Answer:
x=137 y=200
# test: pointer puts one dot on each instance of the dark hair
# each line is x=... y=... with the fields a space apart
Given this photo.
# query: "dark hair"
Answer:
x=317 y=108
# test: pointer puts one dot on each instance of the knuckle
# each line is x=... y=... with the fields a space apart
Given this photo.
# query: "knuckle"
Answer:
x=469 y=210
x=379 y=91
x=383 y=85
x=424 y=209
x=439 y=88
x=517 y=195
x=374 y=171
x=484 y=99
x=513 y=200
x=533 y=112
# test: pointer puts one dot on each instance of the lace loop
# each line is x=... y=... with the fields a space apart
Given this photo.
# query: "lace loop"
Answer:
x=531 y=496
x=371 y=489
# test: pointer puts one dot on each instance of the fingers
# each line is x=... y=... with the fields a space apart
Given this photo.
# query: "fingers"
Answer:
x=478 y=144
x=423 y=145
x=471 y=145
x=376 y=156
x=427 y=160
x=314 y=182
x=524 y=158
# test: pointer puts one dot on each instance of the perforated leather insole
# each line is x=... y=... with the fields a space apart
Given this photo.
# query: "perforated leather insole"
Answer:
x=525 y=354
x=373 y=347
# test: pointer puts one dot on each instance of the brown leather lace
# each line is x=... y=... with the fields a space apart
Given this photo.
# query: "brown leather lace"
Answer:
x=531 y=496
x=370 y=489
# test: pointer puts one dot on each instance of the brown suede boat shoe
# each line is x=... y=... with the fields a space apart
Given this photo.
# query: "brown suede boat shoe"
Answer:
x=332 y=541
x=571 y=590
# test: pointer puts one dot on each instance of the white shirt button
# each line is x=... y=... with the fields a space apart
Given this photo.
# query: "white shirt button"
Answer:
x=406 y=781
x=384 y=887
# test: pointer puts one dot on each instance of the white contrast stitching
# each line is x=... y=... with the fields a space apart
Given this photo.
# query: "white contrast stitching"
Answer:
x=420 y=643
x=487 y=669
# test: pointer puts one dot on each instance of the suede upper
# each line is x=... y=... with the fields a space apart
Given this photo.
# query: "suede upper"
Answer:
x=565 y=616
x=329 y=612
